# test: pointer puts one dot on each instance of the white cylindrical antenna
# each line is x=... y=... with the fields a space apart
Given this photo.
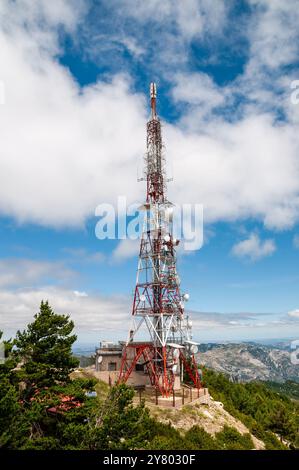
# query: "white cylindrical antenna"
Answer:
x=153 y=94
x=153 y=89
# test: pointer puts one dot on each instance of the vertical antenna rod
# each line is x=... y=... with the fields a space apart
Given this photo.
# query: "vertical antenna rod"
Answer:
x=155 y=167
x=153 y=93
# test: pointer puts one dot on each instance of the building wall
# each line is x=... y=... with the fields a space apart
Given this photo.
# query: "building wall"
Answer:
x=107 y=361
x=109 y=367
x=111 y=377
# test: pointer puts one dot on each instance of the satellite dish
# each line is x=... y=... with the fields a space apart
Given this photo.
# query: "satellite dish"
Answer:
x=174 y=368
x=194 y=348
x=175 y=345
x=189 y=324
x=188 y=341
x=100 y=359
x=167 y=238
x=142 y=298
x=186 y=297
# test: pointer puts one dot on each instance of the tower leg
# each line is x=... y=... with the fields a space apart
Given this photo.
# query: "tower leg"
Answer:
x=157 y=370
x=191 y=371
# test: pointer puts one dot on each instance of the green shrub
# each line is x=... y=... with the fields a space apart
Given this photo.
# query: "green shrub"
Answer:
x=199 y=439
x=230 y=439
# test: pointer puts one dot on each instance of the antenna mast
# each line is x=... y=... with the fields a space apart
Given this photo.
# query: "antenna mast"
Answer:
x=158 y=304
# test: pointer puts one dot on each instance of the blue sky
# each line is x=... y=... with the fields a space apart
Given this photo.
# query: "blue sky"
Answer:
x=74 y=81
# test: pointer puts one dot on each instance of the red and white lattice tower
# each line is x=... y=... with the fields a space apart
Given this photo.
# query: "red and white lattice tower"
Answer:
x=158 y=304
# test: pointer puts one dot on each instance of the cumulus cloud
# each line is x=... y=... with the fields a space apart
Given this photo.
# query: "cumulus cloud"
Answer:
x=61 y=144
x=192 y=18
x=199 y=91
x=80 y=293
x=224 y=168
x=254 y=248
x=28 y=272
x=60 y=12
x=89 y=312
x=273 y=33
x=24 y=283
x=98 y=316
x=126 y=249
x=294 y=313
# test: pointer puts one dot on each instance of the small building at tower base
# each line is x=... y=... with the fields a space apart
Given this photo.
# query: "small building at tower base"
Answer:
x=108 y=360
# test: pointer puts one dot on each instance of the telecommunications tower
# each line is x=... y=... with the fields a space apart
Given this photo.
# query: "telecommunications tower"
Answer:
x=158 y=306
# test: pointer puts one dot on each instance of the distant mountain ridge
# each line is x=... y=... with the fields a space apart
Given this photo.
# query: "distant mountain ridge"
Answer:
x=245 y=362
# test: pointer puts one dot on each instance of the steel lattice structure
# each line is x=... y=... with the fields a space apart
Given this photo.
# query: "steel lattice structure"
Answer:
x=158 y=303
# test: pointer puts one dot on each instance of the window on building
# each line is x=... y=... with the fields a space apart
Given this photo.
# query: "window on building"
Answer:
x=112 y=366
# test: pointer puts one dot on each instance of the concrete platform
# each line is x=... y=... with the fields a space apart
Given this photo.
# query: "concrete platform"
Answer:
x=192 y=395
x=200 y=396
x=167 y=402
x=195 y=392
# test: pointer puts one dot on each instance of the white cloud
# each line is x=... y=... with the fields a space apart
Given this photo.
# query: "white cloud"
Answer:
x=126 y=249
x=197 y=89
x=254 y=248
x=90 y=313
x=200 y=92
x=132 y=46
x=152 y=23
x=80 y=294
x=97 y=317
x=223 y=166
x=24 y=283
x=294 y=313
x=192 y=18
x=40 y=18
x=61 y=145
x=273 y=33
x=28 y=272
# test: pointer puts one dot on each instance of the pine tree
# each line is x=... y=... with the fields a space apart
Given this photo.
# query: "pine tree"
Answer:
x=44 y=350
x=9 y=405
